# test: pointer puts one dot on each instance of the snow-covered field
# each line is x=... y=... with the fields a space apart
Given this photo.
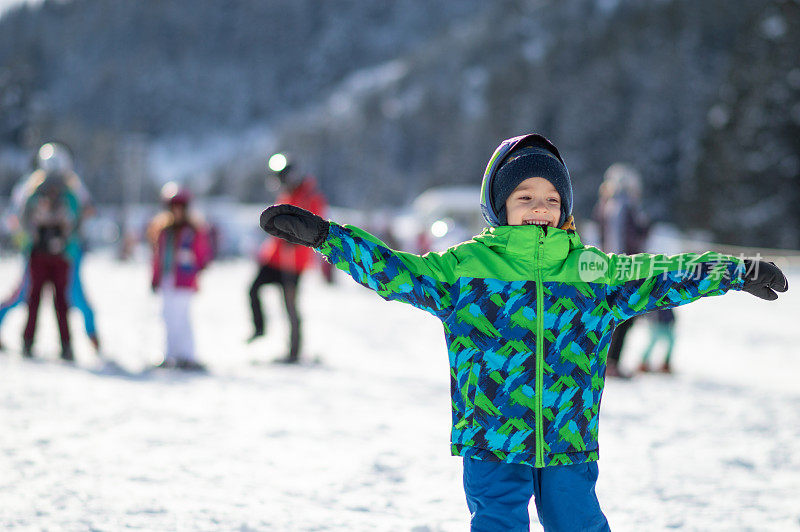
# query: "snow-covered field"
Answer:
x=360 y=441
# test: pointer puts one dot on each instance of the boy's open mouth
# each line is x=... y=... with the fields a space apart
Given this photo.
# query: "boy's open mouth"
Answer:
x=535 y=222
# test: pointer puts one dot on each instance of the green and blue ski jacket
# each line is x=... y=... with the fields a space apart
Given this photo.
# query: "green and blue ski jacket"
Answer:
x=528 y=314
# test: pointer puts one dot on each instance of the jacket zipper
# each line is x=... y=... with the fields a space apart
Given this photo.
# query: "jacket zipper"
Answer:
x=539 y=354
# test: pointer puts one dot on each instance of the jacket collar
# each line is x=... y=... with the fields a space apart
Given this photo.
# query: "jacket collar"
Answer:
x=524 y=241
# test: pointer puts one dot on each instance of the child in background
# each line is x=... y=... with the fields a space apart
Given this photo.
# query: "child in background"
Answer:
x=50 y=216
x=180 y=251
x=662 y=327
x=528 y=314
x=54 y=161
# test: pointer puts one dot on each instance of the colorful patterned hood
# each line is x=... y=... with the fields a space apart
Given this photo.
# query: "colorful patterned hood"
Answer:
x=503 y=152
x=528 y=314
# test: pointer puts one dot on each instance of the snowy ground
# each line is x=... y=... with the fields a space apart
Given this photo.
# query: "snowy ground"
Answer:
x=360 y=441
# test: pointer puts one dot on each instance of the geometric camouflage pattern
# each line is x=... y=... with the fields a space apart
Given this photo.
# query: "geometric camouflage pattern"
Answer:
x=527 y=334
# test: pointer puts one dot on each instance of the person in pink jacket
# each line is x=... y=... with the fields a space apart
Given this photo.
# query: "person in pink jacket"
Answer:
x=181 y=249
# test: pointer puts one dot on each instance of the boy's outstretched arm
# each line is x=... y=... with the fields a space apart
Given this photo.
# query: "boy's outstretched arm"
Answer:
x=643 y=282
x=424 y=282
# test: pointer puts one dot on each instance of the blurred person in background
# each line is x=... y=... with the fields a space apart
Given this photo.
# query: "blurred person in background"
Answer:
x=53 y=159
x=623 y=229
x=281 y=262
x=181 y=250
x=50 y=217
x=662 y=329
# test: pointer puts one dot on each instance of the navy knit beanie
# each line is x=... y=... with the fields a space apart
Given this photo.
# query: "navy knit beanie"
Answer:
x=536 y=158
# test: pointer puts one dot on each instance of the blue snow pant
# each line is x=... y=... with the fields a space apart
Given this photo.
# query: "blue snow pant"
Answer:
x=498 y=495
x=19 y=295
x=77 y=297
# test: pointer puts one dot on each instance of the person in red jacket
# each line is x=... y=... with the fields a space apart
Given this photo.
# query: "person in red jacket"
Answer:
x=283 y=263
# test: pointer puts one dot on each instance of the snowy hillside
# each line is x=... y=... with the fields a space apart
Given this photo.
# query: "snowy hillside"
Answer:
x=360 y=441
x=383 y=100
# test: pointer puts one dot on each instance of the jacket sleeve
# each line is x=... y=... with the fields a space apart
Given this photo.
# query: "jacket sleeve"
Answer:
x=26 y=216
x=644 y=282
x=158 y=245
x=202 y=247
x=426 y=282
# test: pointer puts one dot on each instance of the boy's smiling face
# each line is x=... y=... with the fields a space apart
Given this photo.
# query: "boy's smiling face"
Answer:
x=534 y=202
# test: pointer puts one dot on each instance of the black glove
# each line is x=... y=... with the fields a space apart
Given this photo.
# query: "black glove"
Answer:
x=295 y=225
x=763 y=279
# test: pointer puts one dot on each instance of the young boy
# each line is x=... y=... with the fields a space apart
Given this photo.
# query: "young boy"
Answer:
x=528 y=314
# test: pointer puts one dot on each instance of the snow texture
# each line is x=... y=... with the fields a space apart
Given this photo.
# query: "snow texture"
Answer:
x=360 y=440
